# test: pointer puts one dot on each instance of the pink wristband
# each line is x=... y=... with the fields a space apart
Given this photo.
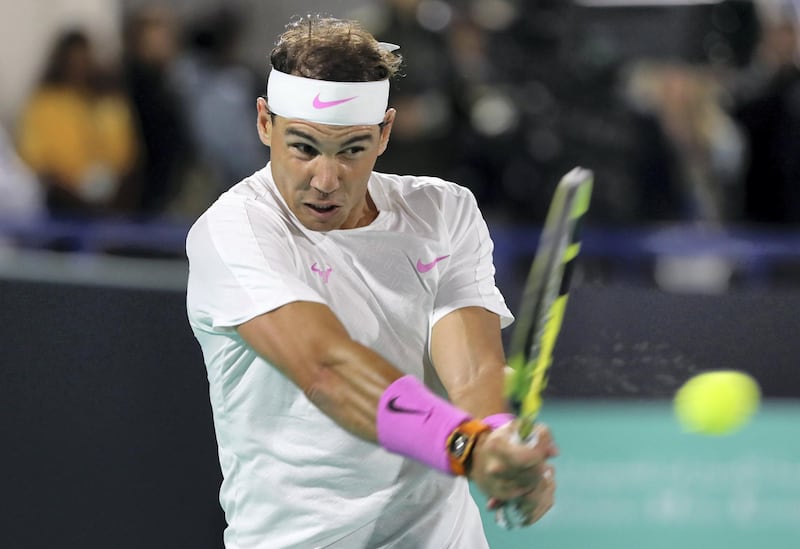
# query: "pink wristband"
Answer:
x=414 y=422
x=495 y=421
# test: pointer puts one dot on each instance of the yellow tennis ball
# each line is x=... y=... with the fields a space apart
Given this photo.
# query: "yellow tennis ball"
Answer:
x=717 y=403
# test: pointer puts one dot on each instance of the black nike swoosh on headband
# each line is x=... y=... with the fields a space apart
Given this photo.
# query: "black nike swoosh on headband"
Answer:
x=400 y=410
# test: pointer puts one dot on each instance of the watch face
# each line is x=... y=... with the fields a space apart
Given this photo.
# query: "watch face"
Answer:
x=459 y=445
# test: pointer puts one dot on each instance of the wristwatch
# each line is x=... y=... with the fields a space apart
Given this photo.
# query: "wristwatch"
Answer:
x=461 y=442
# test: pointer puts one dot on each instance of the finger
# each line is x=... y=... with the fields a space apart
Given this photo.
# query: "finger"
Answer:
x=520 y=465
x=539 y=512
x=540 y=442
x=535 y=504
x=507 y=490
x=544 y=505
x=525 y=488
x=529 y=472
x=543 y=434
x=530 y=499
x=519 y=457
x=529 y=507
x=516 y=481
x=494 y=503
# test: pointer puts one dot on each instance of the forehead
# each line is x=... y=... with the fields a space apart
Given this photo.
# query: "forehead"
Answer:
x=324 y=132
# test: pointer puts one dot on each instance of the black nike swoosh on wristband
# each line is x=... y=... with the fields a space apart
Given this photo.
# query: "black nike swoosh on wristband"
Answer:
x=400 y=410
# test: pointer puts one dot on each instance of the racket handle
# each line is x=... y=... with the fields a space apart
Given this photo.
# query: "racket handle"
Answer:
x=509 y=516
x=531 y=440
x=525 y=424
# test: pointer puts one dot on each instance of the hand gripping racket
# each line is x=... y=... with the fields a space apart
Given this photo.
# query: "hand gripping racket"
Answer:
x=542 y=308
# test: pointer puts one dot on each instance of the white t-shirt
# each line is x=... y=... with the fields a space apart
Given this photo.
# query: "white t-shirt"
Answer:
x=292 y=477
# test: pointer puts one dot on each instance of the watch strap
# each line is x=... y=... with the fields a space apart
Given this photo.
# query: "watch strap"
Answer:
x=461 y=442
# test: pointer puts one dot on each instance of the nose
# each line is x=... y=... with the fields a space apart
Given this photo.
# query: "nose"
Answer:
x=326 y=175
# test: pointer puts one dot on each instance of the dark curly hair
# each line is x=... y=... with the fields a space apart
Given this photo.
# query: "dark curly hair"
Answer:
x=326 y=48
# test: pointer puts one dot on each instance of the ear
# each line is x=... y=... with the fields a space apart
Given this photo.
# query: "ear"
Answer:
x=386 y=130
x=264 y=121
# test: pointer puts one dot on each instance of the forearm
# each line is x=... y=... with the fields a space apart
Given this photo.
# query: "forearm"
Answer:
x=348 y=387
x=361 y=391
x=481 y=392
x=343 y=378
x=467 y=352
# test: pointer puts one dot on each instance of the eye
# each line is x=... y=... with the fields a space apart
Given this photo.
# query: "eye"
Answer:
x=304 y=149
x=352 y=151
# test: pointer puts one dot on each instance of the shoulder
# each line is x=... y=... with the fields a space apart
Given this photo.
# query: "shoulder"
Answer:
x=414 y=189
x=248 y=207
x=253 y=195
x=408 y=184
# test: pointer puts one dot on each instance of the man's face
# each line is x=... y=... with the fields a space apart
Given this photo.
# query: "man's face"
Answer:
x=321 y=170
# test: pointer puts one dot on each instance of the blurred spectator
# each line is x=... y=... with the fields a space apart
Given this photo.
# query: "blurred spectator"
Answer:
x=689 y=166
x=222 y=92
x=487 y=116
x=550 y=101
x=151 y=49
x=424 y=129
x=77 y=131
x=769 y=112
x=690 y=149
x=22 y=195
x=457 y=117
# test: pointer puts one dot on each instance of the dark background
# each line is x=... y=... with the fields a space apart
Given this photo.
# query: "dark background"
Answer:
x=108 y=440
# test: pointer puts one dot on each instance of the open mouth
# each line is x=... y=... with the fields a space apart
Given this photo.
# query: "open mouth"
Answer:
x=327 y=208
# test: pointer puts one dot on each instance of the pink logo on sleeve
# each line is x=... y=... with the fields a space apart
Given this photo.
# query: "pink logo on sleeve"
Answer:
x=324 y=274
x=425 y=267
x=320 y=104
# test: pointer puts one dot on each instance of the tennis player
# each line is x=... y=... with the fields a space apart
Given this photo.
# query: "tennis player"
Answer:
x=350 y=326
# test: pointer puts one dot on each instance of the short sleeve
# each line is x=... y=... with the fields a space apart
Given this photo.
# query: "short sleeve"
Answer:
x=241 y=265
x=469 y=277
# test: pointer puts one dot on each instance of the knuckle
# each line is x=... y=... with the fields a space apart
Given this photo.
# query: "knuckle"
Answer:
x=545 y=436
x=495 y=468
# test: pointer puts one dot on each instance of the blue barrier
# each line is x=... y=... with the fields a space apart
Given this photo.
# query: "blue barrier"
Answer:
x=94 y=236
x=745 y=245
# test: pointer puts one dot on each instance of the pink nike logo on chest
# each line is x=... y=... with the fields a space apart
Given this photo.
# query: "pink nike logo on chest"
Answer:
x=425 y=267
x=320 y=104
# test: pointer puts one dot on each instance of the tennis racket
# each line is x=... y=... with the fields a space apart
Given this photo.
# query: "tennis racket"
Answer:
x=542 y=308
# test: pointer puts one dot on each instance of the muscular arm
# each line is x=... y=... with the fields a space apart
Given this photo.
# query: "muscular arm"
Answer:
x=467 y=352
x=309 y=345
x=345 y=380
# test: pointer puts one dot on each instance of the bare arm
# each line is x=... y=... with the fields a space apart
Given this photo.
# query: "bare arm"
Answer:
x=467 y=352
x=311 y=347
x=345 y=380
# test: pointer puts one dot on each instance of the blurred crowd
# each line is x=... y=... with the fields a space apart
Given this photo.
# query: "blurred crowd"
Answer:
x=158 y=133
x=502 y=96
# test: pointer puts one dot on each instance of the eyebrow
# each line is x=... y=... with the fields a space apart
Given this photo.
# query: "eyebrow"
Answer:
x=303 y=135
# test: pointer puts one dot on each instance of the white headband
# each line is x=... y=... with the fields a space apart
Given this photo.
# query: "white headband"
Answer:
x=325 y=102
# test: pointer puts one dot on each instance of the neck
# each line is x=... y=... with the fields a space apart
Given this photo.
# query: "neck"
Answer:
x=367 y=215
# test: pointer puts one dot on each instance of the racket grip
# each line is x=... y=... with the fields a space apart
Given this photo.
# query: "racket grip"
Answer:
x=509 y=516
x=531 y=440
